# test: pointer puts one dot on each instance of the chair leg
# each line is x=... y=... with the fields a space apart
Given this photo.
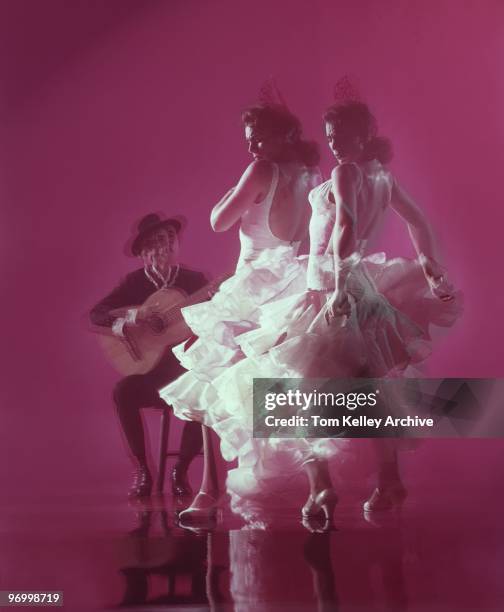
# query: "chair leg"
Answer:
x=163 y=445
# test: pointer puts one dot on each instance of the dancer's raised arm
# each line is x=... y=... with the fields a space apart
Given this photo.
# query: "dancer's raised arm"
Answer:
x=418 y=228
x=423 y=241
x=249 y=190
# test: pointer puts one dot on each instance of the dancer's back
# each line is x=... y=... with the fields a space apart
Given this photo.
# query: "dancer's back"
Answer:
x=373 y=197
x=281 y=217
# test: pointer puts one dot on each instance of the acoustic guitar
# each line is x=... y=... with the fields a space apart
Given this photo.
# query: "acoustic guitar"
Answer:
x=143 y=344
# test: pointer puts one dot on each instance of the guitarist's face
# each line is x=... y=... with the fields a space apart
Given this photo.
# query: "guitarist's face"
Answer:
x=160 y=249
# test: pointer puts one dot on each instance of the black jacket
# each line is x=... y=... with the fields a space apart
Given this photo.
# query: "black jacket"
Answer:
x=135 y=288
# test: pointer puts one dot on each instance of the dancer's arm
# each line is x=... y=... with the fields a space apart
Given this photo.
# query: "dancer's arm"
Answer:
x=251 y=188
x=418 y=228
x=423 y=241
x=345 y=183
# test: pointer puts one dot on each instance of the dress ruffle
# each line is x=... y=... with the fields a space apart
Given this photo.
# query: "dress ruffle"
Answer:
x=270 y=330
x=392 y=316
x=233 y=310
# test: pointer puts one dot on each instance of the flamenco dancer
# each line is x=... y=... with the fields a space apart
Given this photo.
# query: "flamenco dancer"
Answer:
x=270 y=204
x=360 y=315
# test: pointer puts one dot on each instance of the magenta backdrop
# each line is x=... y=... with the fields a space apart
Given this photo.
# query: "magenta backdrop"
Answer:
x=113 y=109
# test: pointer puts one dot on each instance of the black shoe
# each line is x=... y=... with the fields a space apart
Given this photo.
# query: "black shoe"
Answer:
x=180 y=484
x=142 y=483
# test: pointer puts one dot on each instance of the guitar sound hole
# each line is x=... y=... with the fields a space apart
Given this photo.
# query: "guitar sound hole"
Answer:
x=156 y=323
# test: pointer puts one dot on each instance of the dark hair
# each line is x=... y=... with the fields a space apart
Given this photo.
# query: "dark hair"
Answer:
x=277 y=120
x=356 y=118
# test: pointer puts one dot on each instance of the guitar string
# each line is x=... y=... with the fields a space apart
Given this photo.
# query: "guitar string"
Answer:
x=175 y=310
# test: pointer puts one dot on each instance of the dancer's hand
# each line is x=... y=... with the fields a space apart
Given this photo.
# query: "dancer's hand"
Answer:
x=338 y=305
x=436 y=277
x=441 y=288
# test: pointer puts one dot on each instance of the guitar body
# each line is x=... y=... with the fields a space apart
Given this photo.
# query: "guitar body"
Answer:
x=142 y=347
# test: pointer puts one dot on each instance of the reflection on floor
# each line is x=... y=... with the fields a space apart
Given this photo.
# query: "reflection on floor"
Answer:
x=108 y=554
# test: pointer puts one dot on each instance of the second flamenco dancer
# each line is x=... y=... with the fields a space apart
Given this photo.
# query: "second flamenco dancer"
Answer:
x=360 y=315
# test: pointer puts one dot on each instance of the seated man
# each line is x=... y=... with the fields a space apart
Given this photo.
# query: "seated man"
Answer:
x=156 y=242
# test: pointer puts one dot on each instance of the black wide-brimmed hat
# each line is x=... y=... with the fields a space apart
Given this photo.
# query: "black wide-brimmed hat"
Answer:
x=148 y=224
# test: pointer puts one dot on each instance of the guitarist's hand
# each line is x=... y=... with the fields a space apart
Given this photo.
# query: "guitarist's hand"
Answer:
x=149 y=316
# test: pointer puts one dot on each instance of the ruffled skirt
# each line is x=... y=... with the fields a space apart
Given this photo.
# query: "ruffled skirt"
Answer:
x=261 y=325
x=218 y=323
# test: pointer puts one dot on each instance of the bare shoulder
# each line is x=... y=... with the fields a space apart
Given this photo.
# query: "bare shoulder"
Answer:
x=346 y=177
x=346 y=173
x=259 y=172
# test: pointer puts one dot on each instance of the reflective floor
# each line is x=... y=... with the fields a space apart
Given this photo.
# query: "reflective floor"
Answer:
x=105 y=553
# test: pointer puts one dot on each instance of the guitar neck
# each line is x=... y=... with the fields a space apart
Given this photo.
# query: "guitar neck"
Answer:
x=197 y=296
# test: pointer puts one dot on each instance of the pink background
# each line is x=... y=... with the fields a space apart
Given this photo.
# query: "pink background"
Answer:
x=113 y=109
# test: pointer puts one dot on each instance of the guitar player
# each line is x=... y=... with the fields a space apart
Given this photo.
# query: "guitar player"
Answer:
x=156 y=243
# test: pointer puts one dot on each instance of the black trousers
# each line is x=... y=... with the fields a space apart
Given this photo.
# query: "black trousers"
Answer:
x=141 y=391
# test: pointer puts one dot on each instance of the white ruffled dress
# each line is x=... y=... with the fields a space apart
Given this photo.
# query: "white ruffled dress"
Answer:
x=268 y=269
x=392 y=313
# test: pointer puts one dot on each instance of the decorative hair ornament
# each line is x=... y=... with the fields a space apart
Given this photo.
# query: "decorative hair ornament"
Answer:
x=349 y=112
x=270 y=95
x=345 y=91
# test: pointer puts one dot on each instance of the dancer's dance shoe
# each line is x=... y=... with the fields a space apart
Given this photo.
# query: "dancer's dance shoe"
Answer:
x=322 y=504
x=204 y=508
x=386 y=498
